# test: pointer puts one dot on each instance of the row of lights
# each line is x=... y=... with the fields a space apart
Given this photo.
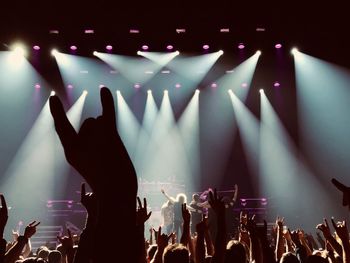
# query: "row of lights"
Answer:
x=109 y=48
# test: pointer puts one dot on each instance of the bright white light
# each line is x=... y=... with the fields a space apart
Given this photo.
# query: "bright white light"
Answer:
x=261 y=91
x=53 y=93
x=139 y=53
x=95 y=53
x=230 y=91
x=197 y=91
x=165 y=91
x=221 y=52
x=177 y=52
x=294 y=51
x=258 y=52
x=19 y=50
x=149 y=91
x=54 y=52
x=118 y=92
x=85 y=92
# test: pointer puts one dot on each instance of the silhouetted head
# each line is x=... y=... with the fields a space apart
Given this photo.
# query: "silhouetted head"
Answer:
x=195 y=197
x=181 y=198
x=289 y=257
x=235 y=252
x=43 y=252
x=54 y=256
x=176 y=253
x=151 y=251
x=316 y=259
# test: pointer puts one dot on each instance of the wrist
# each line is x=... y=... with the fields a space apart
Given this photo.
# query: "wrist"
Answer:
x=23 y=239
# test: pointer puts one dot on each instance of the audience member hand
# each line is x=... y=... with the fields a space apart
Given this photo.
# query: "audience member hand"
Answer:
x=3 y=214
x=345 y=190
x=66 y=241
x=30 y=229
x=141 y=214
x=89 y=201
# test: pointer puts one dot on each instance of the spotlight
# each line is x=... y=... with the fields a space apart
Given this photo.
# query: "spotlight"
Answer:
x=276 y=84
x=177 y=52
x=137 y=86
x=221 y=52
x=197 y=91
x=118 y=92
x=258 y=52
x=109 y=47
x=73 y=48
x=145 y=47
x=294 y=51
x=54 y=52
x=205 y=47
x=241 y=46
x=244 y=85
x=230 y=91
x=261 y=91
x=37 y=86
x=149 y=91
x=169 y=47
x=139 y=53
x=53 y=93
x=19 y=50
x=69 y=86
x=214 y=85
x=36 y=47
x=85 y=92
x=165 y=91
x=95 y=53
x=177 y=85
x=278 y=46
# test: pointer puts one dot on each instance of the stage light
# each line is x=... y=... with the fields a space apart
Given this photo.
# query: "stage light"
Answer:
x=37 y=86
x=85 y=92
x=294 y=51
x=244 y=85
x=149 y=91
x=145 y=47
x=134 y=31
x=165 y=91
x=214 y=85
x=137 y=86
x=73 y=48
x=241 y=46
x=177 y=52
x=230 y=91
x=19 y=50
x=278 y=46
x=224 y=30
x=95 y=53
x=276 y=84
x=258 y=52
x=54 y=52
x=261 y=91
x=89 y=31
x=53 y=93
x=169 y=47
x=221 y=52
x=177 y=85
x=205 y=47
x=118 y=92
x=197 y=91
x=139 y=53
x=36 y=47
x=109 y=47
x=69 y=86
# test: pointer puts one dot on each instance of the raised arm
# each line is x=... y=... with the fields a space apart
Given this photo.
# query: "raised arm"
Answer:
x=170 y=198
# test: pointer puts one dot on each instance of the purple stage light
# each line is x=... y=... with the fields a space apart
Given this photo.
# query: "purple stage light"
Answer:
x=276 y=84
x=244 y=85
x=144 y=47
x=278 y=46
x=37 y=86
x=89 y=31
x=214 y=85
x=69 y=86
x=169 y=47
x=73 y=48
x=137 y=86
x=177 y=85
x=109 y=47
x=241 y=46
x=36 y=47
x=205 y=47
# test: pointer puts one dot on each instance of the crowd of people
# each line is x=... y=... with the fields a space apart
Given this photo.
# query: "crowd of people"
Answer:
x=191 y=232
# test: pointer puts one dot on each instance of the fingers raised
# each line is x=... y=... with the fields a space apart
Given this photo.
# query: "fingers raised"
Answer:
x=108 y=111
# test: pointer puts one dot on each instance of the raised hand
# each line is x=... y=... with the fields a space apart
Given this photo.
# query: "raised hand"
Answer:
x=325 y=229
x=96 y=151
x=216 y=202
x=30 y=229
x=162 y=239
x=279 y=222
x=186 y=215
x=341 y=230
x=141 y=214
x=66 y=241
x=345 y=190
x=3 y=215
